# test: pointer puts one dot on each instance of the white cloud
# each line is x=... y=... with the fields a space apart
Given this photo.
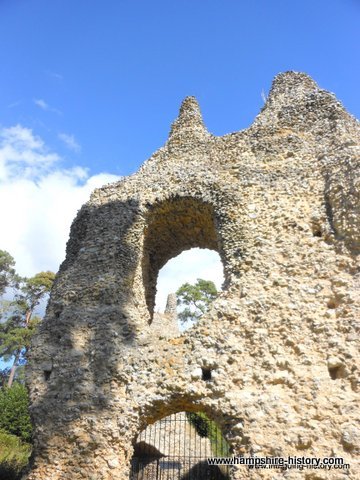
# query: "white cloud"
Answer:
x=188 y=267
x=55 y=75
x=23 y=155
x=39 y=102
x=38 y=200
x=70 y=142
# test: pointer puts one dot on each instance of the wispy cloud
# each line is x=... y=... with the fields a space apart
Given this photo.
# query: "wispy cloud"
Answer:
x=38 y=199
x=39 y=102
x=14 y=104
x=56 y=75
x=70 y=142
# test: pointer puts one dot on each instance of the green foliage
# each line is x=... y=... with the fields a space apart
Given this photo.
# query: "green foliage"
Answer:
x=7 y=272
x=17 y=324
x=15 y=336
x=4 y=374
x=33 y=289
x=14 y=456
x=14 y=408
x=207 y=428
x=195 y=299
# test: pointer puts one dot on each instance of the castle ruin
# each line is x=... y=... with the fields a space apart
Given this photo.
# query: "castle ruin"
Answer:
x=279 y=348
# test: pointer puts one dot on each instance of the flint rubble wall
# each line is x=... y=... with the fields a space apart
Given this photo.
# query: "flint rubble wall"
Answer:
x=280 y=203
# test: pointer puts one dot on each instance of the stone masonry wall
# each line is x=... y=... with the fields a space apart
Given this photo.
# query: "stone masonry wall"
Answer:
x=280 y=203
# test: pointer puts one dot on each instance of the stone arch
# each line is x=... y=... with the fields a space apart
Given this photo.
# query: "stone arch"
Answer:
x=173 y=226
x=179 y=444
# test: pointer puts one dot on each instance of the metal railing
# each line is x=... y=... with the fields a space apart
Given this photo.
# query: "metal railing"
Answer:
x=177 y=448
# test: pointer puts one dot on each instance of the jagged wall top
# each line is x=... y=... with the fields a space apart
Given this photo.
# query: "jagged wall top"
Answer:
x=295 y=106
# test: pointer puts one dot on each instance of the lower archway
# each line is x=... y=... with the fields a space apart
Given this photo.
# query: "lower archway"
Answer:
x=177 y=447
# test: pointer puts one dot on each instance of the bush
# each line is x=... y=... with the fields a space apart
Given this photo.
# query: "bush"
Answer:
x=14 y=408
x=14 y=456
x=207 y=428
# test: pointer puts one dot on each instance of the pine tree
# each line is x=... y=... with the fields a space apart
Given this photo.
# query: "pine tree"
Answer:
x=18 y=322
x=195 y=299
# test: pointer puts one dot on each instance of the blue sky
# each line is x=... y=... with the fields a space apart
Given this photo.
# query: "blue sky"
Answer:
x=111 y=74
x=89 y=88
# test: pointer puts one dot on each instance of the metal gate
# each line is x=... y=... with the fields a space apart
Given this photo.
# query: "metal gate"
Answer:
x=177 y=448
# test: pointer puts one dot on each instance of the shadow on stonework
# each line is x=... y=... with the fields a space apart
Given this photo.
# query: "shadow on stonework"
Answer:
x=203 y=471
x=89 y=323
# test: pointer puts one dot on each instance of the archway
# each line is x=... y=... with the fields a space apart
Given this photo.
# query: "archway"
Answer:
x=175 y=225
x=177 y=447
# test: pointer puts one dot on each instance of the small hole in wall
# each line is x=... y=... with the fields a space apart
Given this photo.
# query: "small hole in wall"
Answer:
x=331 y=304
x=206 y=374
x=333 y=372
x=317 y=233
x=337 y=372
x=58 y=310
x=47 y=374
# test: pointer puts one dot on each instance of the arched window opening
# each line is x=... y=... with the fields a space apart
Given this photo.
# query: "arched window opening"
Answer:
x=177 y=447
x=187 y=267
x=174 y=226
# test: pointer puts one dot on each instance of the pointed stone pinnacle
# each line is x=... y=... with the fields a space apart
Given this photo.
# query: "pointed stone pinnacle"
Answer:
x=189 y=123
x=190 y=110
x=171 y=302
x=292 y=84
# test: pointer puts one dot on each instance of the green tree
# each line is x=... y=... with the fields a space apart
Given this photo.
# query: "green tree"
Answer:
x=7 y=273
x=19 y=323
x=14 y=408
x=195 y=299
x=4 y=375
